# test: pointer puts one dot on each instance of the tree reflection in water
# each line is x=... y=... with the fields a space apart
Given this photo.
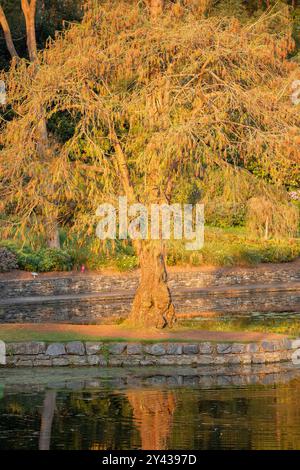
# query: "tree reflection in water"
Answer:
x=112 y=415
x=47 y=419
x=153 y=413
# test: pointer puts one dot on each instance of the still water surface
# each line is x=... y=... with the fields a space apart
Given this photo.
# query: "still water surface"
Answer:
x=120 y=409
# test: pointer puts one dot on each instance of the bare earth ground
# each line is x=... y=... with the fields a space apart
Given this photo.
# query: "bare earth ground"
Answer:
x=171 y=269
x=113 y=332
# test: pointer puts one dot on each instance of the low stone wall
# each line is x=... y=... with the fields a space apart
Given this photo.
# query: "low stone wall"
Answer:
x=194 y=278
x=111 y=308
x=77 y=353
x=103 y=298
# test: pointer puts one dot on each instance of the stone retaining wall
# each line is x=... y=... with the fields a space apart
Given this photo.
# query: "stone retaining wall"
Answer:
x=77 y=353
x=97 y=309
x=195 y=278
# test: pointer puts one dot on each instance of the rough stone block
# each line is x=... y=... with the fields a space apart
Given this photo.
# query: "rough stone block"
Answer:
x=131 y=361
x=252 y=348
x=272 y=357
x=93 y=360
x=93 y=347
x=190 y=349
x=224 y=348
x=204 y=359
x=76 y=348
x=116 y=348
x=60 y=361
x=206 y=348
x=258 y=358
x=24 y=363
x=268 y=346
x=174 y=348
x=238 y=348
x=155 y=349
x=115 y=362
x=32 y=348
x=77 y=360
x=148 y=361
x=295 y=344
x=56 y=349
x=134 y=348
x=42 y=363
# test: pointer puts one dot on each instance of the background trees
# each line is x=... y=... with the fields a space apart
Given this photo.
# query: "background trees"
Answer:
x=51 y=16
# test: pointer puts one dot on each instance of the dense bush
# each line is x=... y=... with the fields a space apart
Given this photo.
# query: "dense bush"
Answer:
x=41 y=260
x=44 y=260
x=8 y=260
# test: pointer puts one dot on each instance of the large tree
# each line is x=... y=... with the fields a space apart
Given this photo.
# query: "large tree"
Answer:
x=43 y=146
x=151 y=103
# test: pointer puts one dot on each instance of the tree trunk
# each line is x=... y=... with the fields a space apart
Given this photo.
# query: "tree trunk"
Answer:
x=52 y=232
x=152 y=305
x=7 y=34
x=29 y=10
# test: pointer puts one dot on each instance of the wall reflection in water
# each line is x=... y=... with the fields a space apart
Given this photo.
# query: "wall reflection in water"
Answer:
x=156 y=415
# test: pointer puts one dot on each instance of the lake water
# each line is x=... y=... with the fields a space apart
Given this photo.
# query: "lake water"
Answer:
x=150 y=409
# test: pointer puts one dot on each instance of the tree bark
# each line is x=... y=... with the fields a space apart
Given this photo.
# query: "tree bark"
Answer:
x=52 y=231
x=7 y=34
x=152 y=305
x=29 y=10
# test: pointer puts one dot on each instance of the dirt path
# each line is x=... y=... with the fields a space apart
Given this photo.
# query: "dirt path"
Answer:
x=120 y=332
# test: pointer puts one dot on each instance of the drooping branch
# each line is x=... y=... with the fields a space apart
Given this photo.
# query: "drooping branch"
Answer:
x=156 y=7
x=7 y=34
x=122 y=167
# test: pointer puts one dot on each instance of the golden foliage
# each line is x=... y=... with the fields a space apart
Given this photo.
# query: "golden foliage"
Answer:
x=169 y=94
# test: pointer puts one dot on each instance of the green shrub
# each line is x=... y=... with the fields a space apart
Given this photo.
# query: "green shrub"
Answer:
x=126 y=262
x=8 y=260
x=52 y=259
x=43 y=260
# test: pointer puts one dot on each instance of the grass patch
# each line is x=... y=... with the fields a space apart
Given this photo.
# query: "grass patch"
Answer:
x=17 y=334
x=233 y=247
x=290 y=327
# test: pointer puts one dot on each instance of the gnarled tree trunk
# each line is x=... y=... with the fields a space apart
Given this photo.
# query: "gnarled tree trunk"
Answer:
x=152 y=305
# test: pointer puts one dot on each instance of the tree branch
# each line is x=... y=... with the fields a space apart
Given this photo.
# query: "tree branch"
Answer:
x=7 y=34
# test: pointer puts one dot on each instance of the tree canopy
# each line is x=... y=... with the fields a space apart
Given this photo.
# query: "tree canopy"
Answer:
x=150 y=103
